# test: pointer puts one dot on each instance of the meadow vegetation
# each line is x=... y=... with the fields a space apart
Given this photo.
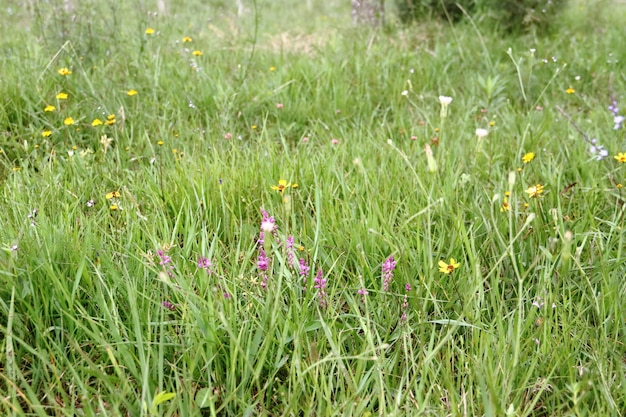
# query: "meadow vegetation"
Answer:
x=275 y=213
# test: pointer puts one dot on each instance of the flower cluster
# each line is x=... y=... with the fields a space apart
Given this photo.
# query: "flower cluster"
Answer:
x=388 y=267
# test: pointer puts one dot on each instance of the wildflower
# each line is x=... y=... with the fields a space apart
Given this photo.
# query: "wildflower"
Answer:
x=64 y=71
x=334 y=142
x=62 y=96
x=600 y=150
x=253 y=127
x=46 y=133
x=113 y=207
x=304 y=270
x=279 y=105
x=492 y=123
x=505 y=205
x=113 y=194
x=387 y=271
x=90 y=203
x=165 y=259
x=110 y=120
x=131 y=92
x=282 y=185
x=621 y=157
x=481 y=133
x=289 y=249
x=618 y=120
x=570 y=90
x=149 y=31
x=160 y=143
x=196 y=53
x=320 y=285
x=534 y=191
x=168 y=305
x=445 y=102
x=528 y=157
x=272 y=68
x=187 y=39
x=49 y=108
x=405 y=93
x=205 y=263
x=363 y=291
x=262 y=261
x=228 y=136
x=68 y=121
x=448 y=268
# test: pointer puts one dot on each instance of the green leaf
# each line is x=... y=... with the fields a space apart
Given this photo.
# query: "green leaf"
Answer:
x=160 y=398
x=203 y=398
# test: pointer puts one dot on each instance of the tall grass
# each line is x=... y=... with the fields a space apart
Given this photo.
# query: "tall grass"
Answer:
x=105 y=309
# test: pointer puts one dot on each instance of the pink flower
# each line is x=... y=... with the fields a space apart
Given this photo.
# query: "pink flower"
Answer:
x=228 y=136
x=305 y=139
x=388 y=267
x=334 y=142
x=279 y=105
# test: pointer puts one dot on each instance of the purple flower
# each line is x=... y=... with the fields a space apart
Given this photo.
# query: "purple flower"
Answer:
x=262 y=261
x=304 y=269
x=165 y=259
x=320 y=284
x=168 y=305
x=388 y=267
x=205 y=263
x=363 y=292
x=289 y=249
x=407 y=287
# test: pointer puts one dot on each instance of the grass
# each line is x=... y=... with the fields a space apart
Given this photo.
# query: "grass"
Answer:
x=105 y=311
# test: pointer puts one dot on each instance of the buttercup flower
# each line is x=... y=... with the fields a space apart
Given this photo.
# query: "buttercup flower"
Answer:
x=131 y=92
x=62 y=96
x=621 y=157
x=112 y=194
x=187 y=39
x=68 y=121
x=528 y=157
x=534 y=191
x=448 y=268
x=96 y=122
x=149 y=31
x=570 y=90
x=64 y=71
x=49 y=108
x=197 y=53
x=46 y=133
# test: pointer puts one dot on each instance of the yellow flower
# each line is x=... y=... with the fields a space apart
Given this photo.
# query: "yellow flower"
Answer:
x=197 y=53
x=64 y=71
x=187 y=39
x=110 y=119
x=114 y=207
x=621 y=157
x=49 y=108
x=619 y=185
x=492 y=123
x=160 y=143
x=68 y=121
x=46 y=133
x=149 y=31
x=253 y=127
x=534 y=191
x=272 y=68
x=294 y=185
x=570 y=90
x=505 y=206
x=62 y=96
x=528 y=157
x=16 y=169
x=96 y=122
x=282 y=184
x=131 y=92
x=448 y=268
x=112 y=194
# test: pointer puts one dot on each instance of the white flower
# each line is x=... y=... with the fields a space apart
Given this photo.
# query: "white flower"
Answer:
x=405 y=93
x=481 y=133
x=267 y=226
x=444 y=100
